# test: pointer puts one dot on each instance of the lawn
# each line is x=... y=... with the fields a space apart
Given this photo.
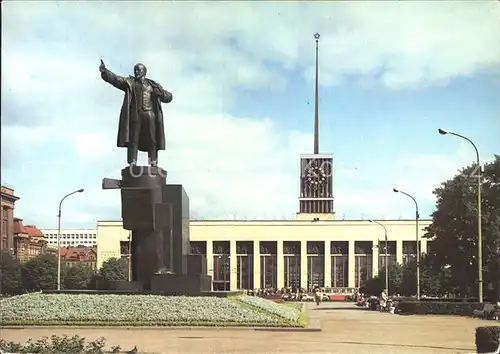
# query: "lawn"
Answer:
x=146 y=310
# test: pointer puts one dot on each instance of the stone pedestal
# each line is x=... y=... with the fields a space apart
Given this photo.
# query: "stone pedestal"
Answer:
x=176 y=196
x=173 y=284
x=158 y=216
x=142 y=204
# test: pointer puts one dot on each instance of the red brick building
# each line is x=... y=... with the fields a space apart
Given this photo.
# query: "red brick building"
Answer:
x=79 y=255
x=23 y=242
x=29 y=241
x=8 y=200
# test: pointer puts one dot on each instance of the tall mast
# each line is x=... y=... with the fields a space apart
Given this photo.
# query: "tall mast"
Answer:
x=316 y=102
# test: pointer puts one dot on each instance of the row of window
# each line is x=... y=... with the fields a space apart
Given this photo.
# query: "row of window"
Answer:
x=52 y=236
x=54 y=242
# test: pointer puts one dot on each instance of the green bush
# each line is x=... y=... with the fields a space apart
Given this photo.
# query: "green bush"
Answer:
x=438 y=308
x=59 y=345
x=487 y=339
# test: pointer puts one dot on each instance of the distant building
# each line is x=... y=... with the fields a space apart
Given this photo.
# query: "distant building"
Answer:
x=29 y=241
x=8 y=200
x=79 y=255
x=72 y=237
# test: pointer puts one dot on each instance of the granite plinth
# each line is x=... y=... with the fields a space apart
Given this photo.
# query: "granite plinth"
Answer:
x=176 y=196
x=141 y=192
x=174 y=284
x=157 y=214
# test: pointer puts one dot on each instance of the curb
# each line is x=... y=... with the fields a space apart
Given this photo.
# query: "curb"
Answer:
x=160 y=328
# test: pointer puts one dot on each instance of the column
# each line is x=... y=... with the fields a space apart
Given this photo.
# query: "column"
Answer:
x=280 y=281
x=351 y=264
x=328 y=264
x=303 y=264
x=399 y=251
x=375 y=252
x=210 y=260
x=423 y=245
x=233 y=263
x=256 y=265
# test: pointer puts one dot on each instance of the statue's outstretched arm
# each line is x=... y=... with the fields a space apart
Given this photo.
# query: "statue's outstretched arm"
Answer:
x=117 y=81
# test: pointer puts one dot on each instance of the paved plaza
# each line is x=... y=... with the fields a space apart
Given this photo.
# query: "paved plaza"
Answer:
x=345 y=329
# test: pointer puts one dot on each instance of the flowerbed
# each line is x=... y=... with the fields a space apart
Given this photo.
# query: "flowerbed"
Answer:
x=138 y=310
x=438 y=308
x=286 y=312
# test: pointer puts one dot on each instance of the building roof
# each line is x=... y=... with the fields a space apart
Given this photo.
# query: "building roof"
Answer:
x=7 y=193
x=78 y=253
x=30 y=230
x=33 y=231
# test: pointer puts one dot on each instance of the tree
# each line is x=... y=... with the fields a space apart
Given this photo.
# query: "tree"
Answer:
x=453 y=231
x=375 y=285
x=10 y=275
x=40 y=273
x=78 y=276
x=112 y=270
x=434 y=280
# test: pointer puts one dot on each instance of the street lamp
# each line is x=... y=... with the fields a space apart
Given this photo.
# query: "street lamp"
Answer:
x=59 y=237
x=479 y=216
x=385 y=256
x=416 y=238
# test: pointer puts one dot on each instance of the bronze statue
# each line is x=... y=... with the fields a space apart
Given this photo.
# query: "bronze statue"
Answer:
x=141 y=117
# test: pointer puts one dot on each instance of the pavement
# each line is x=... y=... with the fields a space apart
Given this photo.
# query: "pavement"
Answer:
x=345 y=328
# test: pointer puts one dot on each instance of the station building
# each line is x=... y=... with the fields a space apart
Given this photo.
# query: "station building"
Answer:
x=312 y=250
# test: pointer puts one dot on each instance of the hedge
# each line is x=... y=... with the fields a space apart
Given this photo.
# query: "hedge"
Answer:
x=487 y=339
x=438 y=308
x=60 y=345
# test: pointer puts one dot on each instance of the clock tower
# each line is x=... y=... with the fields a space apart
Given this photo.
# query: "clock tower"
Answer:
x=316 y=173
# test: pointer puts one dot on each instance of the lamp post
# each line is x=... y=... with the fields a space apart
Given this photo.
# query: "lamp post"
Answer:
x=416 y=238
x=59 y=237
x=479 y=216
x=385 y=256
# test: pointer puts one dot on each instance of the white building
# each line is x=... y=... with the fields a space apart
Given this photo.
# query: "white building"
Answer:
x=72 y=237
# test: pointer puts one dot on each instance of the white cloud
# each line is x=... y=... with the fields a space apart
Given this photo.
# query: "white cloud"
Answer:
x=245 y=166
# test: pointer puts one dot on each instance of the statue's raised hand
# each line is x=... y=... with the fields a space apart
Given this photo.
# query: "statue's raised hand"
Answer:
x=102 y=67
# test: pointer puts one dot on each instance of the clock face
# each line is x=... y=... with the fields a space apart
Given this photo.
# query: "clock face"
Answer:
x=315 y=175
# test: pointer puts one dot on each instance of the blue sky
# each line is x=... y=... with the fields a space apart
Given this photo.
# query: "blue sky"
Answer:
x=391 y=74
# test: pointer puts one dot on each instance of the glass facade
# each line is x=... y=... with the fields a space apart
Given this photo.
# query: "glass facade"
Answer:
x=315 y=271
x=409 y=251
x=391 y=254
x=268 y=272
x=245 y=272
x=292 y=270
x=222 y=273
x=363 y=269
x=340 y=271
x=303 y=268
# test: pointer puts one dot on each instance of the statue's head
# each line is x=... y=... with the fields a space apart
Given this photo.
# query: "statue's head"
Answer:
x=140 y=71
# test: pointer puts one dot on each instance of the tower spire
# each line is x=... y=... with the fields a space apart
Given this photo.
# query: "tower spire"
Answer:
x=316 y=103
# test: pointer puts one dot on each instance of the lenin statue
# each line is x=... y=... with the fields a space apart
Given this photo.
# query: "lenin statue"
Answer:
x=141 y=117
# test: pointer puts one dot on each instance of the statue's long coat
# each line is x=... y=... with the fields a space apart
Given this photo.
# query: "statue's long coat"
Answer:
x=129 y=111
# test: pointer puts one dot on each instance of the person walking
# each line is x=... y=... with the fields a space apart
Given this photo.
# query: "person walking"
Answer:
x=383 y=300
x=317 y=296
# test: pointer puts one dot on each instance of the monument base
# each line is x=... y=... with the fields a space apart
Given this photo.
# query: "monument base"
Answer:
x=189 y=285
x=157 y=214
